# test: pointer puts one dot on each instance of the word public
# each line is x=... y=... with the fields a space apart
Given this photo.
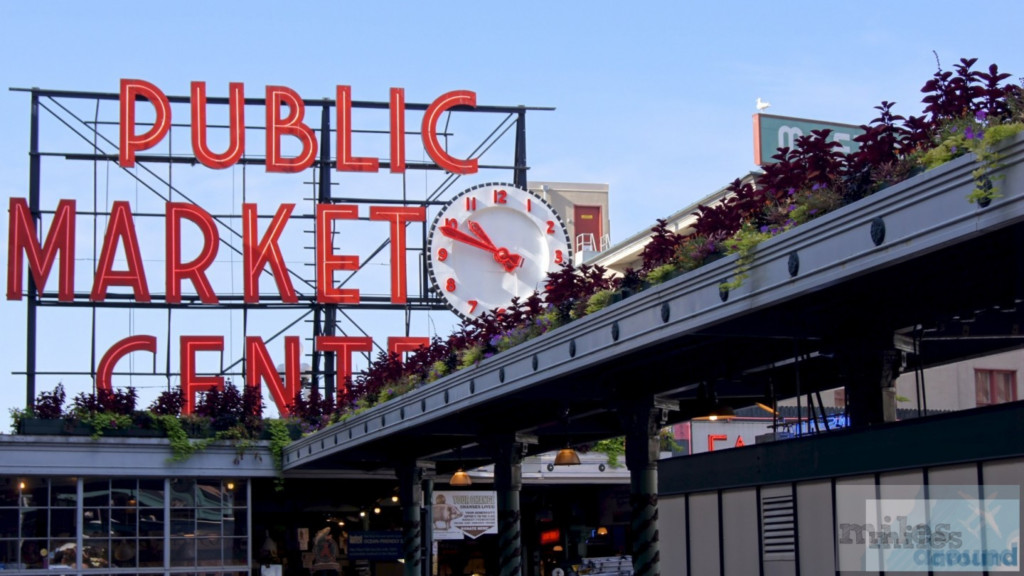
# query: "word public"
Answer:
x=278 y=126
x=261 y=252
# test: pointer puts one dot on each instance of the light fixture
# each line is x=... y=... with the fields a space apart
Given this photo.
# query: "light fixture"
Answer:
x=720 y=411
x=341 y=522
x=602 y=531
x=362 y=513
x=21 y=485
x=394 y=498
x=713 y=409
x=460 y=478
x=567 y=457
x=376 y=509
x=557 y=548
x=231 y=486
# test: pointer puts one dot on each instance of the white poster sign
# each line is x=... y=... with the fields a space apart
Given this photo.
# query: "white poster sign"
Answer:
x=462 y=513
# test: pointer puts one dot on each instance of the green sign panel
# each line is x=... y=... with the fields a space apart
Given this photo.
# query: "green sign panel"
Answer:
x=774 y=132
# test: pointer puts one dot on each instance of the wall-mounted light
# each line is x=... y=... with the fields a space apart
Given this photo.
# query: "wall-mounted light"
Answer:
x=376 y=509
x=230 y=486
x=362 y=513
x=602 y=531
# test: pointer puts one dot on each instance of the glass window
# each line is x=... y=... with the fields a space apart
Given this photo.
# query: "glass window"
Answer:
x=123 y=524
x=994 y=387
x=63 y=492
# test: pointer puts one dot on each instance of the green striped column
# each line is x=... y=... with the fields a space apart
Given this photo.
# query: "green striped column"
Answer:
x=410 y=495
x=508 y=455
x=644 y=521
x=642 y=419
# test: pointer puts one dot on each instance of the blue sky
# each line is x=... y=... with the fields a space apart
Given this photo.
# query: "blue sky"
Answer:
x=653 y=98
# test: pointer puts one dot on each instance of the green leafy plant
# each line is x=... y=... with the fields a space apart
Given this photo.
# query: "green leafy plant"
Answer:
x=613 y=448
x=182 y=448
x=743 y=243
x=668 y=441
x=662 y=273
x=471 y=356
x=105 y=420
x=19 y=415
x=985 y=145
x=599 y=301
x=279 y=439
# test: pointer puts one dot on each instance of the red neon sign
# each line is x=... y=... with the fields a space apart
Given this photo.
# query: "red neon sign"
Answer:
x=285 y=117
x=122 y=258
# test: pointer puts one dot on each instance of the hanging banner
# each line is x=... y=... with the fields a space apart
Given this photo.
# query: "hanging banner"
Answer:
x=464 y=513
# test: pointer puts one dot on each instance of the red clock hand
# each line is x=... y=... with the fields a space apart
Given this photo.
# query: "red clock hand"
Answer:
x=507 y=260
x=460 y=236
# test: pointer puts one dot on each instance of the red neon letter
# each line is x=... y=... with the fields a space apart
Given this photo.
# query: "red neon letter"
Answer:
x=399 y=345
x=712 y=438
x=344 y=347
x=130 y=141
x=256 y=256
x=292 y=125
x=190 y=383
x=398 y=216
x=236 y=126
x=121 y=228
x=739 y=442
x=105 y=371
x=397 y=111
x=327 y=262
x=443 y=103
x=260 y=368
x=22 y=241
x=346 y=161
x=196 y=269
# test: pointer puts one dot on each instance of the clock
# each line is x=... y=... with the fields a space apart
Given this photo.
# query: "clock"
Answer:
x=492 y=243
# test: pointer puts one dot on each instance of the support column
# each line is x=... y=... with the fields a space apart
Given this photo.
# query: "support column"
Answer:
x=427 y=521
x=410 y=494
x=508 y=453
x=519 y=174
x=642 y=419
x=34 y=187
x=868 y=369
x=330 y=311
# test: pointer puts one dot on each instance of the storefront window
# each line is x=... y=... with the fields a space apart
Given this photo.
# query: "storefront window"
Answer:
x=124 y=524
x=37 y=521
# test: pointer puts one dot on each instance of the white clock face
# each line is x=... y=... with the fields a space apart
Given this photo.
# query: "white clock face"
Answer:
x=492 y=243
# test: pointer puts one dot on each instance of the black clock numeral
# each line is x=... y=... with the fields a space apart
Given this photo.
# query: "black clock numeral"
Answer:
x=450 y=285
x=442 y=254
x=500 y=197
